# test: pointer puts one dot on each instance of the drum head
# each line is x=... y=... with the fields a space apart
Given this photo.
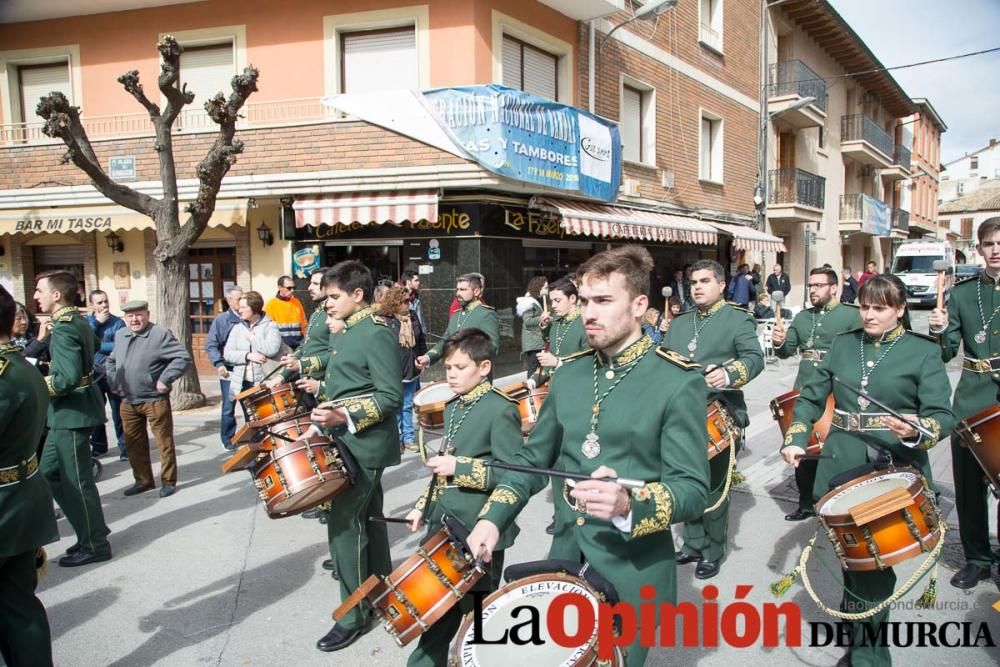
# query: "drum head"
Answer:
x=538 y=592
x=439 y=392
x=865 y=490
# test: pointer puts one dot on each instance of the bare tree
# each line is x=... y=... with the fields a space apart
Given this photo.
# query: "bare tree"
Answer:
x=173 y=238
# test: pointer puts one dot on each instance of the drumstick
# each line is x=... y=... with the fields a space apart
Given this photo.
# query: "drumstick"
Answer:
x=273 y=371
x=712 y=367
x=430 y=487
x=388 y=519
x=941 y=266
x=548 y=472
x=885 y=408
x=814 y=457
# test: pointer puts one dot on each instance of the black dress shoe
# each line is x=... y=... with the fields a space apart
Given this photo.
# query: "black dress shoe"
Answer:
x=314 y=513
x=706 y=569
x=328 y=564
x=551 y=528
x=969 y=576
x=340 y=637
x=136 y=489
x=800 y=515
x=323 y=518
x=845 y=660
x=73 y=549
x=83 y=558
x=683 y=558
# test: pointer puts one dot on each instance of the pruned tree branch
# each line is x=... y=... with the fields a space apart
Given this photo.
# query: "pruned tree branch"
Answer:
x=170 y=72
x=130 y=81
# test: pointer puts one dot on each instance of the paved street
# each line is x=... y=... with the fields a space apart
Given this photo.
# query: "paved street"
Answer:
x=204 y=577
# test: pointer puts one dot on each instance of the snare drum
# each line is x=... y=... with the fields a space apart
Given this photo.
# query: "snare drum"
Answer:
x=268 y=405
x=782 y=410
x=295 y=477
x=981 y=434
x=421 y=590
x=282 y=433
x=529 y=402
x=430 y=402
x=722 y=430
x=880 y=519
x=537 y=591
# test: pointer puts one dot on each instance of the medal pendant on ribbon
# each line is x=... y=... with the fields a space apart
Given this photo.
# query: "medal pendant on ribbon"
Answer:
x=591 y=446
x=863 y=402
x=693 y=345
x=809 y=343
x=981 y=337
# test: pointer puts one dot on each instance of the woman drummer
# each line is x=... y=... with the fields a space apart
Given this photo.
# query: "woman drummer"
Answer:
x=902 y=370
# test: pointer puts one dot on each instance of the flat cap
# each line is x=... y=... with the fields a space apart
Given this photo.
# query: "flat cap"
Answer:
x=135 y=305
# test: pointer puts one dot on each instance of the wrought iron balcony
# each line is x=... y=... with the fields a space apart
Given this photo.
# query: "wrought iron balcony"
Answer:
x=859 y=127
x=901 y=156
x=793 y=77
x=796 y=186
x=900 y=219
x=859 y=212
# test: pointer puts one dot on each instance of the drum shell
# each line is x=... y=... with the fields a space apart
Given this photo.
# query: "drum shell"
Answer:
x=981 y=434
x=425 y=586
x=430 y=414
x=782 y=410
x=529 y=403
x=298 y=476
x=891 y=535
x=722 y=430
x=269 y=405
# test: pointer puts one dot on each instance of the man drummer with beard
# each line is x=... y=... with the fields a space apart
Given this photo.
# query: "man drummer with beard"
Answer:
x=602 y=418
x=474 y=314
x=902 y=370
x=563 y=332
x=358 y=398
x=723 y=339
x=972 y=319
x=812 y=333
x=311 y=357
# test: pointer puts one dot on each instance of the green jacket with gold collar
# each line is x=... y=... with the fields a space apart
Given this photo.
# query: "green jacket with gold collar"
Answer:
x=725 y=335
x=314 y=353
x=75 y=400
x=565 y=336
x=26 y=517
x=815 y=329
x=364 y=376
x=481 y=425
x=475 y=315
x=976 y=390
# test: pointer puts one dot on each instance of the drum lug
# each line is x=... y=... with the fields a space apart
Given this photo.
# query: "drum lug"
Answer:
x=872 y=547
x=312 y=461
x=912 y=526
x=837 y=548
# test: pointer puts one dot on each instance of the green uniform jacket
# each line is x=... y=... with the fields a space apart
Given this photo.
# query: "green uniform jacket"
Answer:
x=565 y=336
x=821 y=326
x=910 y=378
x=475 y=315
x=484 y=425
x=364 y=376
x=26 y=517
x=314 y=353
x=976 y=391
x=644 y=434
x=729 y=338
x=76 y=401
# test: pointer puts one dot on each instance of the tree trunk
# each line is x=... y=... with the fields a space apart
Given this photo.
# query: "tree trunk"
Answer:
x=172 y=304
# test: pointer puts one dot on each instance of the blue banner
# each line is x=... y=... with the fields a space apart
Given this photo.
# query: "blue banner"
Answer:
x=532 y=139
x=876 y=217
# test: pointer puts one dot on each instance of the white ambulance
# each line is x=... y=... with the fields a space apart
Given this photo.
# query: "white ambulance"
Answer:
x=914 y=265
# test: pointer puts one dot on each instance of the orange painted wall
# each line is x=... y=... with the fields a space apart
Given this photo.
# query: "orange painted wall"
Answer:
x=286 y=44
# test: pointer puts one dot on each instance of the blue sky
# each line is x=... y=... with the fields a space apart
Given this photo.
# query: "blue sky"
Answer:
x=965 y=92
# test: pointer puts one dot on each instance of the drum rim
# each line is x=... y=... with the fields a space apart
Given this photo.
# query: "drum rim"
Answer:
x=434 y=385
x=825 y=499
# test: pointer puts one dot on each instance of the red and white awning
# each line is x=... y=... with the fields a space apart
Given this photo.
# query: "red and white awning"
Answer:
x=747 y=238
x=367 y=207
x=628 y=223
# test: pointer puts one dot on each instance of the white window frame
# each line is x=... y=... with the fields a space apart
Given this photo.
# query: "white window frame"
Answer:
x=10 y=92
x=648 y=117
x=563 y=51
x=335 y=25
x=713 y=22
x=717 y=165
x=234 y=34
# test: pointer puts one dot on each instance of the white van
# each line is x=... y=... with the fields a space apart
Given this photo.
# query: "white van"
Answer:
x=914 y=265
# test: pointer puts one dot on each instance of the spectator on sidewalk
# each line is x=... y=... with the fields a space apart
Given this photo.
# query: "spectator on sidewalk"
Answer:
x=741 y=290
x=215 y=343
x=529 y=309
x=871 y=270
x=105 y=326
x=850 y=291
x=145 y=362
x=31 y=338
x=286 y=311
x=394 y=306
x=778 y=280
x=252 y=343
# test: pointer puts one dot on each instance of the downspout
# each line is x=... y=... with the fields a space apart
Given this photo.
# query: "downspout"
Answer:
x=590 y=66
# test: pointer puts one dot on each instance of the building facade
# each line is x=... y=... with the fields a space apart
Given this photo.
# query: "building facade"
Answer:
x=921 y=190
x=966 y=174
x=960 y=219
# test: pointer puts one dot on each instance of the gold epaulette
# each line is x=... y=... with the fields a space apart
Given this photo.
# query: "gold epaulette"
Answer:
x=677 y=359
x=737 y=306
x=577 y=355
x=4 y=363
x=499 y=392
x=965 y=280
x=378 y=319
x=486 y=306
x=64 y=317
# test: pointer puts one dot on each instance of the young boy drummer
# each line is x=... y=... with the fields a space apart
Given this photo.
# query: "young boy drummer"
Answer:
x=481 y=424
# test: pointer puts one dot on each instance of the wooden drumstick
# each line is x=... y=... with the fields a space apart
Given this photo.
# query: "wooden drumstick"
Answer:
x=545 y=303
x=777 y=296
x=941 y=266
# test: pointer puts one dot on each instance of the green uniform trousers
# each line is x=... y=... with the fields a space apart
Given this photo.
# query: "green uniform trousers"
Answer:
x=25 y=640
x=432 y=650
x=868 y=589
x=706 y=536
x=805 y=478
x=358 y=546
x=67 y=466
x=972 y=501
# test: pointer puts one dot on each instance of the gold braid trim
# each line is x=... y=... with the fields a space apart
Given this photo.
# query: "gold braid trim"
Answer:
x=740 y=370
x=367 y=311
x=663 y=509
x=793 y=428
x=364 y=412
x=503 y=495
x=476 y=478
x=934 y=426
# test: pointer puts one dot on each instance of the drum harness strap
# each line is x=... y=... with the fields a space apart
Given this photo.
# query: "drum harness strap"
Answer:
x=732 y=476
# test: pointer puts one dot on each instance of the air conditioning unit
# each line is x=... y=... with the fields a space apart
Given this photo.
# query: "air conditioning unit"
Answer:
x=631 y=187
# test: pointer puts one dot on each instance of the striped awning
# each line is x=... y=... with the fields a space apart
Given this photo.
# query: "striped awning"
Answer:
x=367 y=207
x=747 y=238
x=617 y=222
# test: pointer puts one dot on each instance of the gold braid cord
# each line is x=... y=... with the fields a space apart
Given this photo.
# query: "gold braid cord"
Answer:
x=730 y=471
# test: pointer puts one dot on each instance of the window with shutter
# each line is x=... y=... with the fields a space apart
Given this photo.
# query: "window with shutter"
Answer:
x=37 y=81
x=710 y=167
x=205 y=70
x=379 y=60
x=631 y=124
x=530 y=69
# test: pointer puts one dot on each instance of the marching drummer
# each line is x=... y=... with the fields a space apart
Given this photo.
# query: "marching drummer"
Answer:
x=358 y=401
x=602 y=420
x=562 y=330
x=311 y=357
x=481 y=424
x=812 y=333
x=902 y=370
x=474 y=314
x=973 y=319
x=722 y=338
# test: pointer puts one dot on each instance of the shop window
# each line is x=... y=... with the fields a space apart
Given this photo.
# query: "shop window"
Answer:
x=379 y=60
x=530 y=69
x=710 y=148
x=638 y=120
x=205 y=70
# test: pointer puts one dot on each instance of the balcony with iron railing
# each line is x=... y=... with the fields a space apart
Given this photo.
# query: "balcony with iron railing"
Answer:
x=864 y=141
x=900 y=222
x=862 y=213
x=790 y=84
x=900 y=168
x=795 y=195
